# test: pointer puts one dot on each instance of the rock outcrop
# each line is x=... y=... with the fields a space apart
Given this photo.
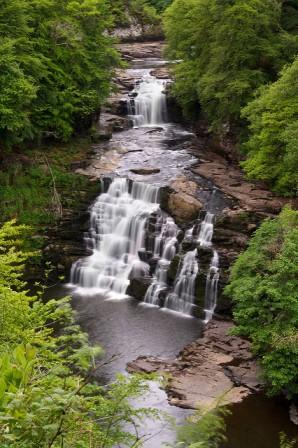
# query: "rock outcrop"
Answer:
x=217 y=366
x=145 y=171
x=180 y=200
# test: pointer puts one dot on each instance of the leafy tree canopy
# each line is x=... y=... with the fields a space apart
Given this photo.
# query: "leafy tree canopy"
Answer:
x=56 y=64
x=228 y=49
x=264 y=286
x=272 y=148
x=47 y=398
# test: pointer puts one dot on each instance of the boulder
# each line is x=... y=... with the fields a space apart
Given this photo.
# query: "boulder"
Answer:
x=217 y=366
x=145 y=171
x=138 y=287
x=161 y=73
x=182 y=184
x=184 y=207
x=173 y=268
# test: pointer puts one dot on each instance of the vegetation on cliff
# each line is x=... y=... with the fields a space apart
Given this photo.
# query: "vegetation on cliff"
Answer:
x=272 y=148
x=228 y=50
x=264 y=286
x=47 y=398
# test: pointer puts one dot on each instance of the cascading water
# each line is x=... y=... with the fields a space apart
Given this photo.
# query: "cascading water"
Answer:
x=164 y=251
x=117 y=235
x=147 y=106
x=211 y=287
x=183 y=297
x=206 y=231
x=205 y=240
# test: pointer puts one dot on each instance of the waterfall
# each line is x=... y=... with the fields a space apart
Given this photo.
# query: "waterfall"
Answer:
x=164 y=250
x=206 y=231
x=211 y=287
x=183 y=297
x=148 y=106
x=116 y=236
x=205 y=240
x=117 y=239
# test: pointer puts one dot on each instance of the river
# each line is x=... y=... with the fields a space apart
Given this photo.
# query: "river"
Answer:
x=121 y=250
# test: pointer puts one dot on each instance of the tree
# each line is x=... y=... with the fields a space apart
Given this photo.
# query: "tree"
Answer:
x=272 y=147
x=47 y=395
x=228 y=50
x=204 y=429
x=264 y=287
x=57 y=63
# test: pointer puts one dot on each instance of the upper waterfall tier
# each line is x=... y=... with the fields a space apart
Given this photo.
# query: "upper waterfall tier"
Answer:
x=116 y=236
x=147 y=105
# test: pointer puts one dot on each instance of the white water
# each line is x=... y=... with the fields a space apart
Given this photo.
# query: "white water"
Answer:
x=164 y=250
x=206 y=231
x=183 y=297
x=148 y=106
x=211 y=287
x=116 y=236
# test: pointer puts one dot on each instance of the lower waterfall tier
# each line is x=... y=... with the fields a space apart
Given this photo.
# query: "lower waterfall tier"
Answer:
x=132 y=238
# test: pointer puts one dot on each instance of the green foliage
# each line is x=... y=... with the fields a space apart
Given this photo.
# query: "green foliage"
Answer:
x=26 y=184
x=264 y=286
x=143 y=12
x=56 y=64
x=228 y=49
x=204 y=429
x=286 y=443
x=273 y=144
x=47 y=398
x=160 y=5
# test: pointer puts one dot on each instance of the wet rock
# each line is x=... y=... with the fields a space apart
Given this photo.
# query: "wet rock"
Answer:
x=200 y=287
x=229 y=178
x=182 y=184
x=117 y=104
x=173 y=268
x=161 y=73
x=145 y=171
x=101 y=134
x=154 y=130
x=113 y=123
x=184 y=207
x=293 y=414
x=179 y=200
x=138 y=287
x=217 y=365
x=141 y=50
x=188 y=245
x=205 y=255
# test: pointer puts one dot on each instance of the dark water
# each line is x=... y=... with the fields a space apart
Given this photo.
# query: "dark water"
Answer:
x=257 y=422
x=128 y=329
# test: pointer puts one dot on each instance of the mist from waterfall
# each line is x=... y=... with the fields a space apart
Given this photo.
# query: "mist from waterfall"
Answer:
x=116 y=236
x=147 y=105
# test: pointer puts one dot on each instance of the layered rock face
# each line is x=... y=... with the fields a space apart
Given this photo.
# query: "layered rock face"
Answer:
x=215 y=367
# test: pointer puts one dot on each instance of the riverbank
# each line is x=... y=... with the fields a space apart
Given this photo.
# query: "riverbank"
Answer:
x=40 y=188
x=215 y=367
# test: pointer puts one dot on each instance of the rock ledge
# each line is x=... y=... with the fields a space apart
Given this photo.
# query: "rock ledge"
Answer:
x=216 y=365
